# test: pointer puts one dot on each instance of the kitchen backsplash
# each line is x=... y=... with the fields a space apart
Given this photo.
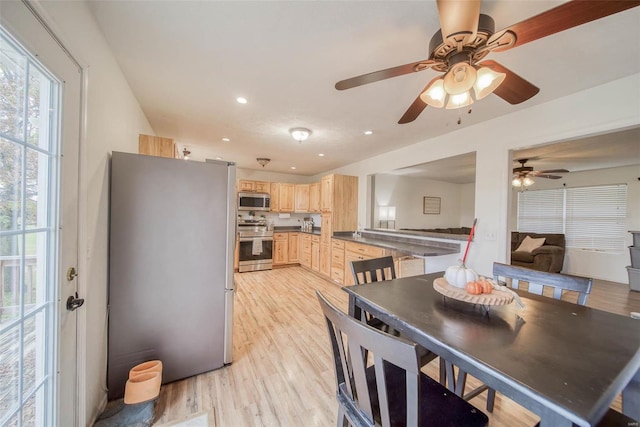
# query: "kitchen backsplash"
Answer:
x=274 y=219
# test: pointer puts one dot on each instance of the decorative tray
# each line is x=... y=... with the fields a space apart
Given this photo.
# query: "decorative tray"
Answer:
x=494 y=298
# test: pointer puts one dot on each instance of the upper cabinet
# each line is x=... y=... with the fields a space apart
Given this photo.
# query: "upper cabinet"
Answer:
x=302 y=198
x=282 y=197
x=257 y=186
x=314 y=197
x=156 y=146
x=339 y=196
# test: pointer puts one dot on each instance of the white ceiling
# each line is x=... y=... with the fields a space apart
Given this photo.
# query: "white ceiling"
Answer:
x=187 y=61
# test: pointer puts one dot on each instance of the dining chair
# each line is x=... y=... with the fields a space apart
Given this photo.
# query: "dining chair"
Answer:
x=379 y=269
x=513 y=276
x=373 y=270
x=386 y=388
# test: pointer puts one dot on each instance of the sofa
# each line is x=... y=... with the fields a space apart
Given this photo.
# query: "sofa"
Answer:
x=549 y=257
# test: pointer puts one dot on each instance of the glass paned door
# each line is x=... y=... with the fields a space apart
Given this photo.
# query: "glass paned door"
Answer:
x=29 y=141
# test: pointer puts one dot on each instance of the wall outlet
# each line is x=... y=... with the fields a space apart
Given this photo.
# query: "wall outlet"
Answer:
x=491 y=235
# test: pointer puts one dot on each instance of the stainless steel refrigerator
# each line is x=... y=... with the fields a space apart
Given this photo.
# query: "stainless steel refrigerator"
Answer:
x=172 y=237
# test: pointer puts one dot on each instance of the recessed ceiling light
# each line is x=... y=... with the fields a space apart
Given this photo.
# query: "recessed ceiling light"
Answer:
x=321 y=155
x=368 y=132
x=218 y=158
x=226 y=139
x=293 y=167
x=241 y=100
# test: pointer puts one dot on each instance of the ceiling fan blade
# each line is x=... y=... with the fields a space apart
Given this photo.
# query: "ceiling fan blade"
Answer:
x=560 y=18
x=416 y=107
x=388 y=73
x=549 y=176
x=514 y=89
x=459 y=19
x=554 y=171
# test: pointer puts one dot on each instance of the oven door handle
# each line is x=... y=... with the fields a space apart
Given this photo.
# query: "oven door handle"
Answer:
x=251 y=239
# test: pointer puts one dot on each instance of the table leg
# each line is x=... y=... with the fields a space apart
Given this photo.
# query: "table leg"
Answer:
x=354 y=310
x=631 y=398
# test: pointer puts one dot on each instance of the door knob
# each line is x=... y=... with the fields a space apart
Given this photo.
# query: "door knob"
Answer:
x=74 y=303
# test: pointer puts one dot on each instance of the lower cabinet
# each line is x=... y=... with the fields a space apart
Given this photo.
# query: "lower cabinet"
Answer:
x=305 y=250
x=337 y=261
x=286 y=248
x=280 y=248
x=315 y=253
x=294 y=247
x=356 y=252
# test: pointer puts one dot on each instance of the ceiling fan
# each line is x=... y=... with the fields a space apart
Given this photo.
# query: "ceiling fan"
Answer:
x=467 y=36
x=523 y=175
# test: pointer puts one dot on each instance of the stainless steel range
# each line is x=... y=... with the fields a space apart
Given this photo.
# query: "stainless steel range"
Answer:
x=255 y=242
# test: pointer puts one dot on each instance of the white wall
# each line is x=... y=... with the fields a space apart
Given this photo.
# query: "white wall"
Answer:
x=406 y=194
x=598 y=265
x=113 y=119
x=597 y=110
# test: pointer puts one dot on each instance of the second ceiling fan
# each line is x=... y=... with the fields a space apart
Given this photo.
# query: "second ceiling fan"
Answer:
x=467 y=36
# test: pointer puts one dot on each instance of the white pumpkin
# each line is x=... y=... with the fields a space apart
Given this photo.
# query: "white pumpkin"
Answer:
x=459 y=275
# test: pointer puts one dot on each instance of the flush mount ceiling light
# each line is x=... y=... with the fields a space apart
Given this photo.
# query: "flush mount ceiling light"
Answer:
x=300 y=134
x=186 y=154
x=263 y=161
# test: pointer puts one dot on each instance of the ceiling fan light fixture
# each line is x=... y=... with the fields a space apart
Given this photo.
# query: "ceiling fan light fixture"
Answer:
x=460 y=100
x=300 y=134
x=520 y=181
x=435 y=94
x=460 y=78
x=487 y=81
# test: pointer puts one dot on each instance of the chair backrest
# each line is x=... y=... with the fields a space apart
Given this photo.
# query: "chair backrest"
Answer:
x=350 y=341
x=373 y=270
x=539 y=279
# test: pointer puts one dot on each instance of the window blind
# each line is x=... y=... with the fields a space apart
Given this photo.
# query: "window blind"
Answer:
x=541 y=211
x=596 y=217
x=591 y=218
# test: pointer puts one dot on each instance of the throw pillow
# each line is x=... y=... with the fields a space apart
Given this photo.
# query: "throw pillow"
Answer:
x=529 y=244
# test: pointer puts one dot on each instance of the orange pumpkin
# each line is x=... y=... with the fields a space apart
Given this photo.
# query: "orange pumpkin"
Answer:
x=474 y=288
x=487 y=287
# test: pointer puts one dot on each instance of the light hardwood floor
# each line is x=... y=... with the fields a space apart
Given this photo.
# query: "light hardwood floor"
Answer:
x=282 y=373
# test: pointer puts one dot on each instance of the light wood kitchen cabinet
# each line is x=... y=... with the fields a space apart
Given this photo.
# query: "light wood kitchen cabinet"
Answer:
x=280 y=248
x=326 y=229
x=305 y=250
x=263 y=186
x=275 y=197
x=325 y=259
x=337 y=261
x=315 y=253
x=356 y=252
x=254 y=186
x=302 y=197
x=339 y=196
x=326 y=193
x=156 y=146
x=282 y=197
x=294 y=247
x=314 y=197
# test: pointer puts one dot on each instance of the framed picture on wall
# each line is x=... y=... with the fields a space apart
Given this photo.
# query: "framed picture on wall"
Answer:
x=431 y=205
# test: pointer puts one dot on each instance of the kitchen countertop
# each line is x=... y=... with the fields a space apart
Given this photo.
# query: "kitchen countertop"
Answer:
x=408 y=248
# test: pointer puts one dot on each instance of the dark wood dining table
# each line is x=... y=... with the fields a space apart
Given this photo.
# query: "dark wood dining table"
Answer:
x=562 y=361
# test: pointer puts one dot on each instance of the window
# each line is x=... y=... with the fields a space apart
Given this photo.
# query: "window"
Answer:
x=591 y=218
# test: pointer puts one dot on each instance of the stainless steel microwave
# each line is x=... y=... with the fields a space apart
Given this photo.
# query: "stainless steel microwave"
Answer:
x=254 y=202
